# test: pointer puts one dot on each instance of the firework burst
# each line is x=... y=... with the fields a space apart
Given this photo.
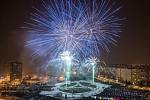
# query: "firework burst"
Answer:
x=82 y=27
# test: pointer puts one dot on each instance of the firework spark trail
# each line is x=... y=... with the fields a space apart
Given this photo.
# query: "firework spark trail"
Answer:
x=82 y=27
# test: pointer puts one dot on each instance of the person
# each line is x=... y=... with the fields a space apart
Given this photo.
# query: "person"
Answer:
x=65 y=96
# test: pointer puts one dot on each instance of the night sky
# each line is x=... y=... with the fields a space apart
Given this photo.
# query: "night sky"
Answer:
x=133 y=45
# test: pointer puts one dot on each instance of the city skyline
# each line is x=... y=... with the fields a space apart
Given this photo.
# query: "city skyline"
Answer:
x=75 y=49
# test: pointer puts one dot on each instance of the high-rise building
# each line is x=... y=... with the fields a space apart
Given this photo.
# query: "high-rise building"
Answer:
x=15 y=71
x=134 y=73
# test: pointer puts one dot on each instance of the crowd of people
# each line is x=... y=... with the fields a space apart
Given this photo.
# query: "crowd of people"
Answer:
x=120 y=92
x=114 y=91
x=124 y=93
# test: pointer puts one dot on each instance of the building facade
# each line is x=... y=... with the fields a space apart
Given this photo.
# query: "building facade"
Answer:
x=138 y=74
x=15 y=71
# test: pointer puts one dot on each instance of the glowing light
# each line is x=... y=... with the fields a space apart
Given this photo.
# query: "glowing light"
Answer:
x=66 y=56
x=74 y=72
x=92 y=62
x=61 y=78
